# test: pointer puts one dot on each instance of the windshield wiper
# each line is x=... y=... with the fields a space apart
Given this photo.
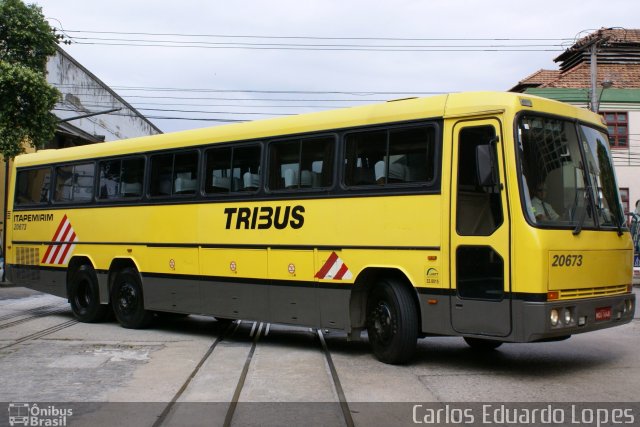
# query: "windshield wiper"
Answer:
x=619 y=226
x=583 y=212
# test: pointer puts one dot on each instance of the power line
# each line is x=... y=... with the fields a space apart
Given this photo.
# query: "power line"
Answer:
x=313 y=43
x=210 y=90
x=179 y=43
x=262 y=37
x=319 y=49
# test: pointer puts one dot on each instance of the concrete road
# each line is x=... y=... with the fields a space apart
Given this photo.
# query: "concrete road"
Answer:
x=197 y=371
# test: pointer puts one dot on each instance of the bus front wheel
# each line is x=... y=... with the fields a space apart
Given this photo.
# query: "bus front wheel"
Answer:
x=84 y=296
x=127 y=300
x=392 y=322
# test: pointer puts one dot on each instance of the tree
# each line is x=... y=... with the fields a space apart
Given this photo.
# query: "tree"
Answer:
x=26 y=99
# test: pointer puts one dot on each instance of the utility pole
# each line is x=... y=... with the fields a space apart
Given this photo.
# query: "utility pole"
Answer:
x=594 y=77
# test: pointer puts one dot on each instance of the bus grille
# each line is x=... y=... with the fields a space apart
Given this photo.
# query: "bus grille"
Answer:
x=26 y=259
x=592 y=292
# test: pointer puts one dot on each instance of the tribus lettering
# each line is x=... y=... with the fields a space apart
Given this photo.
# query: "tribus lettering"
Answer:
x=265 y=217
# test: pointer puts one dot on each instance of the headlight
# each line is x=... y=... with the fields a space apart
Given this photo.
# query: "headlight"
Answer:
x=555 y=316
x=568 y=317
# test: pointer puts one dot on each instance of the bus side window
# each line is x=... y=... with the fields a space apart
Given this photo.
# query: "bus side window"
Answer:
x=185 y=173
x=132 y=177
x=365 y=150
x=74 y=183
x=174 y=174
x=161 y=168
x=33 y=186
x=246 y=167
x=411 y=155
x=284 y=165
x=109 y=172
x=120 y=178
x=218 y=176
x=397 y=155
x=301 y=163
x=316 y=162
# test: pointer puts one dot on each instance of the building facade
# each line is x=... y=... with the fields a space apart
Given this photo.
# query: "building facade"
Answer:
x=602 y=72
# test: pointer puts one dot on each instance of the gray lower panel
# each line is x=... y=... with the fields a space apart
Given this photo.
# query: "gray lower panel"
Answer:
x=289 y=304
x=234 y=300
x=175 y=295
x=483 y=317
x=436 y=314
x=49 y=281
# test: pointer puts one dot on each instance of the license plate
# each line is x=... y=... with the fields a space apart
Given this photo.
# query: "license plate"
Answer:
x=603 y=313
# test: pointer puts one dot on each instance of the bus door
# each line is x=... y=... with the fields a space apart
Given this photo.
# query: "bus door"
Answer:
x=480 y=300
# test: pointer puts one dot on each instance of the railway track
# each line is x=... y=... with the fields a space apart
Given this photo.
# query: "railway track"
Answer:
x=258 y=331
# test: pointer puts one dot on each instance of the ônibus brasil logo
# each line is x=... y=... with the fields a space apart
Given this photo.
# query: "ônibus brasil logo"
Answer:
x=27 y=414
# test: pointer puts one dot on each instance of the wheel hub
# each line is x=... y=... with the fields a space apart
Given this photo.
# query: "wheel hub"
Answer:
x=128 y=298
x=83 y=295
x=382 y=322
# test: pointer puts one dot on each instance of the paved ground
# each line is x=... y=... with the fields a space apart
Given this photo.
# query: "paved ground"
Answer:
x=195 y=370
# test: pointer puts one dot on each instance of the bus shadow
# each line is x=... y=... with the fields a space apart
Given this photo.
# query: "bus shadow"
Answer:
x=531 y=360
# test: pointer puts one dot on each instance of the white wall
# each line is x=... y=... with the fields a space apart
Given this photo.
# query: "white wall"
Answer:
x=83 y=92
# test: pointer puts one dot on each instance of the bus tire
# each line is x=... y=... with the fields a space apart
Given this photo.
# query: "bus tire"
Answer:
x=127 y=300
x=392 y=322
x=482 y=344
x=84 y=296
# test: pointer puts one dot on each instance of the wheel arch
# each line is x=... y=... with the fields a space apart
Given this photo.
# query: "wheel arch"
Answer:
x=119 y=264
x=364 y=283
x=75 y=263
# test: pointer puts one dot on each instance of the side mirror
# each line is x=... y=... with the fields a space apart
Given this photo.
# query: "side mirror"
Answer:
x=486 y=170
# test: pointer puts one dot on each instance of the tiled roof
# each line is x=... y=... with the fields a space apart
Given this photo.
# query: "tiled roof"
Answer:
x=540 y=77
x=623 y=76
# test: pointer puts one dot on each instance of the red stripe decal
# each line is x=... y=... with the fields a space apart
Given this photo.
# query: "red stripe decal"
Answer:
x=54 y=257
x=66 y=249
x=341 y=272
x=327 y=266
x=55 y=236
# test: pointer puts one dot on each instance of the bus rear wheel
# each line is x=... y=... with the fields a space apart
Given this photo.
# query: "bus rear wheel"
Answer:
x=84 y=296
x=392 y=322
x=127 y=300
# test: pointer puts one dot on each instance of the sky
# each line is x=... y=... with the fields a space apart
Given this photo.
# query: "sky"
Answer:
x=217 y=61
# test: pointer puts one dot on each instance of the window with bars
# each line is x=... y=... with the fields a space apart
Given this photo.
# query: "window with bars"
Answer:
x=618 y=125
x=624 y=197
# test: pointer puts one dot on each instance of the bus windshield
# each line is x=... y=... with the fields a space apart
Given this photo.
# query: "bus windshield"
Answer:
x=562 y=184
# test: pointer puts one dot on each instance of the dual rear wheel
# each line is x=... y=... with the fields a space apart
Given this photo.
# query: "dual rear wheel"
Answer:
x=126 y=298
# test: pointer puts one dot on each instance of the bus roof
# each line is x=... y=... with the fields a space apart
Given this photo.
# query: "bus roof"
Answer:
x=441 y=106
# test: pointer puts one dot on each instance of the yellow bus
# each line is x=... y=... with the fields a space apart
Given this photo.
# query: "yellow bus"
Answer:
x=491 y=216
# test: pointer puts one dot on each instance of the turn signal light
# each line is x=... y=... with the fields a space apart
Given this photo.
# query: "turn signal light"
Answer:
x=553 y=295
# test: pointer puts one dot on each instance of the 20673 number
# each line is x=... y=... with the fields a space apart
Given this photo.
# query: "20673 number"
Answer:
x=567 y=261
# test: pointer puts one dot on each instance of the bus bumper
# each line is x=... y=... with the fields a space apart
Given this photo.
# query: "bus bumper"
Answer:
x=537 y=320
